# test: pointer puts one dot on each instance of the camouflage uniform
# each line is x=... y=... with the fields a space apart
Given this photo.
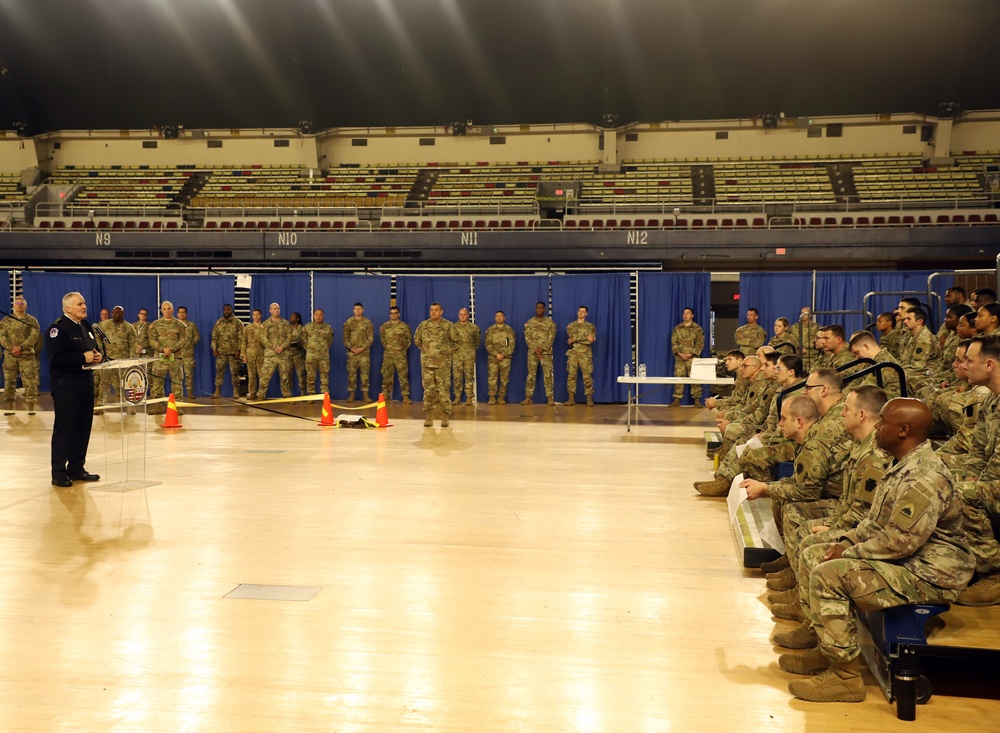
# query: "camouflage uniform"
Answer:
x=864 y=468
x=750 y=337
x=166 y=334
x=435 y=344
x=741 y=389
x=756 y=463
x=275 y=333
x=743 y=424
x=142 y=338
x=539 y=333
x=908 y=549
x=920 y=358
x=803 y=335
x=396 y=339
x=187 y=355
x=580 y=356
x=499 y=339
x=227 y=336
x=359 y=333
x=687 y=340
x=980 y=489
x=316 y=339
x=466 y=337
x=25 y=332
x=297 y=357
x=121 y=345
x=252 y=353
x=948 y=350
x=776 y=341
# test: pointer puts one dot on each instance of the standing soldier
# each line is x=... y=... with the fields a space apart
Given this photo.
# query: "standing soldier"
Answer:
x=167 y=338
x=227 y=336
x=750 y=336
x=275 y=337
x=187 y=357
x=539 y=333
x=252 y=353
x=120 y=345
x=396 y=338
x=142 y=333
x=433 y=338
x=582 y=334
x=466 y=336
x=803 y=334
x=359 y=334
x=317 y=338
x=21 y=339
x=297 y=350
x=686 y=342
x=499 y=340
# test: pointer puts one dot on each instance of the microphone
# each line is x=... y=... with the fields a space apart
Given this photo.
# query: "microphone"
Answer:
x=101 y=333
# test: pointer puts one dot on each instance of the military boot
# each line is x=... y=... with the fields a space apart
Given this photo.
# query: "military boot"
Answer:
x=444 y=421
x=699 y=402
x=428 y=420
x=551 y=402
x=31 y=408
x=783 y=596
x=675 y=403
x=407 y=400
x=984 y=592
x=350 y=397
x=457 y=400
x=812 y=662
x=775 y=566
x=10 y=408
x=216 y=394
x=717 y=487
x=788 y=611
x=782 y=580
x=571 y=400
x=365 y=398
x=801 y=637
x=842 y=682
x=501 y=400
x=526 y=401
x=492 y=400
x=590 y=400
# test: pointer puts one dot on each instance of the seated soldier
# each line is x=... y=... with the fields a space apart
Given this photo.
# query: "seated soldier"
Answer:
x=733 y=360
x=837 y=352
x=738 y=427
x=908 y=549
x=890 y=337
x=921 y=357
x=948 y=337
x=864 y=346
x=988 y=319
x=955 y=403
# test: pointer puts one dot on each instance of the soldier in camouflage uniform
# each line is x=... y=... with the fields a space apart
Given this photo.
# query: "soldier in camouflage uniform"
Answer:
x=21 y=339
x=275 y=337
x=909 y=549
x=168 y=337
x=806 y=523
x=466 y=336
x=316 y=338
x=732 y=360
x=582 y=335
x=921 y=352
x=539 y=334
x=396 y=338
x=751 y=335
x=227 y=336
x=803 y=335
x=188 y=357
x=864 y=346
x=781 y=336
x=499 y=340
x=141 y=327
x=359 y=334
x=890 y=337
x=686 y=342
x=252 y=353
x=297 y=351
x=121 y=345
x=433 y=338
x=949 y=339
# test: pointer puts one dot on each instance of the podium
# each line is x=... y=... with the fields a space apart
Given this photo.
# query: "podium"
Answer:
x=125 y=459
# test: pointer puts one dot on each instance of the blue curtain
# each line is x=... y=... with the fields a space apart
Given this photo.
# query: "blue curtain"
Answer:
x=44 y=292
x=663 y=296
x=336 y=295
x=289 y=290
x=775 y=295
x=516 y=297
x=203 y=296
x=607 y=299
x=131 y=292
x=846 y=291
x=414 y=295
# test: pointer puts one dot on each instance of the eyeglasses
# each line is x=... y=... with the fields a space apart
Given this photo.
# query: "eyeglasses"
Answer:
x=808 y=387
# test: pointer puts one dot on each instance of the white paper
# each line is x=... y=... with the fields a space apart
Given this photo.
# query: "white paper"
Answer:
x=244 y=281
x=737 y=496
x=769 y=534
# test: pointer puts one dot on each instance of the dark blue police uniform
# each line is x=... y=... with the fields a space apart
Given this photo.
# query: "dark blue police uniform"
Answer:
x=72 y=388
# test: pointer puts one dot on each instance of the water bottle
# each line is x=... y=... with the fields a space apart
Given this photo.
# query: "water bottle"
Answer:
x=642 y=371
x=626 y=370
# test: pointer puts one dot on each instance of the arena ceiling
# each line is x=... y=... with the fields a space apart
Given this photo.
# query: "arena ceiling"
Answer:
x=107 y=64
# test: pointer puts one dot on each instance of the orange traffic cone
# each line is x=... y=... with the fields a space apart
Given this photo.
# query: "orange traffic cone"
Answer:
x=382 y=414
x=326 y=420
x=170 y=419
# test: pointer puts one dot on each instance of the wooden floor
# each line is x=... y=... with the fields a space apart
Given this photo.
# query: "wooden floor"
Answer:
x=527 y=569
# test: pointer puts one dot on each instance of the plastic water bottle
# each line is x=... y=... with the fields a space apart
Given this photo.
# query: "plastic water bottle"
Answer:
x=642 y=371
x=626 y=370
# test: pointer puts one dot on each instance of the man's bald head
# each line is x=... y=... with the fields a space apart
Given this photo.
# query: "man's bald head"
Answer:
x=905 y=423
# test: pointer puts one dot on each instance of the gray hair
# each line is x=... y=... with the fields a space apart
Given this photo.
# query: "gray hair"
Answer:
x=68 y=297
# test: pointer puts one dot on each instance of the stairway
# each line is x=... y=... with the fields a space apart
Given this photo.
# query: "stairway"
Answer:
x=191 y=189
x=842 y=180
x=703 y=185
x=421 y=188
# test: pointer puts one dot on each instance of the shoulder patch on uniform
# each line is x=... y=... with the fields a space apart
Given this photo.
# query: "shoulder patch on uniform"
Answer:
x=907 y=512
x=53 y=332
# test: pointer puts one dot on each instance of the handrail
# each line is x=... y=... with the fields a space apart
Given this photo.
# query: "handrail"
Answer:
x=278 y=211
x=57 y=209
x=876 y=368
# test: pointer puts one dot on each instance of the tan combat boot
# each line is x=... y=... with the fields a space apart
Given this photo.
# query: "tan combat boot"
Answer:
x=407 y=400
x=457 y=400
x=812 y=662
x=590 y=400
x=350 y=397
x=675 y=403
x=984 y=592
x=444 y=421
x=428 y=420
x=716 y=487
x=10 y=407
x=782 y=580
x=775 y=566
x=526 y=401
x=365 y=398
x=551 y=401
x=841 y=683
x=783 y=596
x=801 y=637
x=571 y=400
x=492 y=400
x=501 y=400
x=216 y=395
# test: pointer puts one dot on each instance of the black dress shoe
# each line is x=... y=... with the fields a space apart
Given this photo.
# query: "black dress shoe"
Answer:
x=86 y=477
x=62 y=482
